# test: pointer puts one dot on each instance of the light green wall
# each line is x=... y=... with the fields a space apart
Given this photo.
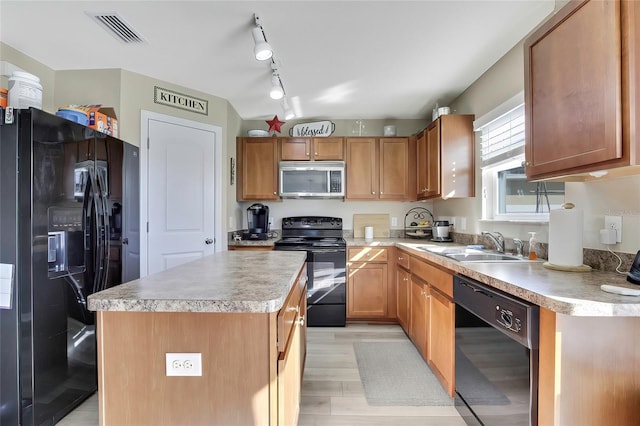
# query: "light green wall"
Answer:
x=88 y=87
x=47 y=75
x=597 y=198
x=346 y=127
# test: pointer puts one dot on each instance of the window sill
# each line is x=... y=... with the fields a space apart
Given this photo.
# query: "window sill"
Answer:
x=517 y=221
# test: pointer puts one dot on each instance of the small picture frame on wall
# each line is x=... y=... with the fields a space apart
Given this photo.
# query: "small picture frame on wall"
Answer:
x=232 y=171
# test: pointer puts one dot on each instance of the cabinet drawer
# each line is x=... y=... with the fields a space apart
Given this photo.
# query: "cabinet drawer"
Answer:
x=367 y=254
x=403 y=259
x=437 y=278
x=289 y=312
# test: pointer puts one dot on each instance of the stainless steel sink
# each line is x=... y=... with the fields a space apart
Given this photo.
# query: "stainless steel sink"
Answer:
x=484 y=257
x=464 y=254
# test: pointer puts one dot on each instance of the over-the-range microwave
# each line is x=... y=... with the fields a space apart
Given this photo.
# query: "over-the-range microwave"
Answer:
x=312 y=179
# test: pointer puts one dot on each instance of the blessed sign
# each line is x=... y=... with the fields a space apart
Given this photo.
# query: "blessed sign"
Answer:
x=180 y=100
x=315 y=129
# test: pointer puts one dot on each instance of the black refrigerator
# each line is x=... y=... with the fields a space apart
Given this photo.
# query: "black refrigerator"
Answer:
x=69 y=227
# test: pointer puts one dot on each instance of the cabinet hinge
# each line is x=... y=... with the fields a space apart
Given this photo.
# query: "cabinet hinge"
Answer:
x=147 y=227
x=148 y=142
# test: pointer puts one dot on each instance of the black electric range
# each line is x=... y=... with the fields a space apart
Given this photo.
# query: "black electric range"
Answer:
x=321 y=237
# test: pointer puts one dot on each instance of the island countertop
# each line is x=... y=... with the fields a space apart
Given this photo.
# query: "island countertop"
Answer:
x=235 y=281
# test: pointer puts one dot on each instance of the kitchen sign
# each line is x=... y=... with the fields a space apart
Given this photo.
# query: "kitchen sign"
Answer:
x=180 y=100
x=315 y=129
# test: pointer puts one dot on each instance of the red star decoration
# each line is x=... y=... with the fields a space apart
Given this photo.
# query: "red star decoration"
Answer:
x=275 y=124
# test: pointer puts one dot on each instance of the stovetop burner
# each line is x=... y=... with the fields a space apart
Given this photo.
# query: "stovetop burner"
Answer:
x=311 y=231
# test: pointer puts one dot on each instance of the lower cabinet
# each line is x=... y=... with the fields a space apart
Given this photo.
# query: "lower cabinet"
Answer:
x=371 y=284
x=441 y=345
x=367 y=290
x=403 y=291
x=430 y=322
x=290 y=368
x=419 y=316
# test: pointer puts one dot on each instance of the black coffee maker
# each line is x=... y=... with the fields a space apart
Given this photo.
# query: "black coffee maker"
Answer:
x=257 y=222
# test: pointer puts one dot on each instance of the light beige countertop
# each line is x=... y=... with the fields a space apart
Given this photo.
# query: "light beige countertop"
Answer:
x=570 y=293
x=231 y=281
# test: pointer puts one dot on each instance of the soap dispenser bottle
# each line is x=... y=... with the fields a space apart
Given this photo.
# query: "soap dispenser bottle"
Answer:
x=533 y=246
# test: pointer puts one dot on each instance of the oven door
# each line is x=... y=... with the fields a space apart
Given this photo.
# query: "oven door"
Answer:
x=327 y=276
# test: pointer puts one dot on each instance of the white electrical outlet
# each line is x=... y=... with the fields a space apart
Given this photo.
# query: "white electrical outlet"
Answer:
x=184 y=364
x=614 y=222
x=394 y=221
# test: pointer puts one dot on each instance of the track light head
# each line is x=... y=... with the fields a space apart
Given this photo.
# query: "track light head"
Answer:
x=262 y=49
x=277 y=92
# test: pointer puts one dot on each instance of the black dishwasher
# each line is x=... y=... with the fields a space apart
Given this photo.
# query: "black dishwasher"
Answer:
x=496 y=356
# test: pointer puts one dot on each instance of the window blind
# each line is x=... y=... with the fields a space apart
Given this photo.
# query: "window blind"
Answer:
x=503 y=138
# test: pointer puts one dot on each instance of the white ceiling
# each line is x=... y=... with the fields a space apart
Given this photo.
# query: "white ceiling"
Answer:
x=337 y=59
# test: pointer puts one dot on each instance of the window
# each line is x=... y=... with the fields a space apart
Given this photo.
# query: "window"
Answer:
x=507 y=195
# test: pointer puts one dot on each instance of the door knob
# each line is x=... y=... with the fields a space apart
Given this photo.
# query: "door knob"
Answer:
x=208 y=241
x=125 y=241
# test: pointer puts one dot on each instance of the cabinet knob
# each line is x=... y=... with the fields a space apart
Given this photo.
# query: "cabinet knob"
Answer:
x=300 y=322
x=315 y=153
x=274 y=193
x=381 y=193
x=307 y=154
x=374 y=193
x=400 y=258
x=405 y=279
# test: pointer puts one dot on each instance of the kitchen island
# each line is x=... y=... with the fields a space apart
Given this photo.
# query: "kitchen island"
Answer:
x=243 y=312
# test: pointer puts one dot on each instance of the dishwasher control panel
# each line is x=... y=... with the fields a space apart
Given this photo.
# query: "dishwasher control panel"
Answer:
x=513 y=316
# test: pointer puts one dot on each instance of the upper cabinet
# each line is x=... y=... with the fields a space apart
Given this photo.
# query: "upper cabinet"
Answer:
x=318 y=149
x=445 y=151
x=380 y=168
x=257 y=169
x=582 y=86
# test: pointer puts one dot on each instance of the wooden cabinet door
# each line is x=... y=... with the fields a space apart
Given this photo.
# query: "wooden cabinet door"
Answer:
x=295 y=149
x=257 y=169
x=394 y=168
x=362 y=172
x=433 y=160
x=573 y=90
x=441 y=345
x=418 y=323
x=402 y=299
x=422 y=165
x=328 y=148
x=289 y=380
x=367 y=290
x=457 y=157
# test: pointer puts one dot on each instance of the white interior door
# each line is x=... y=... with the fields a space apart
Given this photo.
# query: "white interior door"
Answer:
x=180 y=189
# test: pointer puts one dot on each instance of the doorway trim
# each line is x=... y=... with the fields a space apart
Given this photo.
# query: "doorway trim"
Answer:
x=145 y=117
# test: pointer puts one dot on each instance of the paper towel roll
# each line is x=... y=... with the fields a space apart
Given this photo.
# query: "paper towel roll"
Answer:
x=565 y=237
x=368 y=233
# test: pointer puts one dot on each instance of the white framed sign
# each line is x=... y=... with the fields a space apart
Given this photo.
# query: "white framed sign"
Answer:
x=314 y=129
x=180 y=100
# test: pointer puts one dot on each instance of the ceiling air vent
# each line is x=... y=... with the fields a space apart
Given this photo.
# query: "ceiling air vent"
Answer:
x=117 y=27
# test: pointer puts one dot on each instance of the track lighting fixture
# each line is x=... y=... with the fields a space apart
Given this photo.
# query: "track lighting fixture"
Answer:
x=262 y=49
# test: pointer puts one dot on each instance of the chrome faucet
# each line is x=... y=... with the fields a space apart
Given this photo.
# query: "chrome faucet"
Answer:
x=519 y=244
x=497 y=238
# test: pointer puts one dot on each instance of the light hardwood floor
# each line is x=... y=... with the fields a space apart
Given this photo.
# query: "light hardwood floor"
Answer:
x=332 y=392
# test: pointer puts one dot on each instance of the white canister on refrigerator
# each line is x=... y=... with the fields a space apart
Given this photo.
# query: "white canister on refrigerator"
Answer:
x=25 y=90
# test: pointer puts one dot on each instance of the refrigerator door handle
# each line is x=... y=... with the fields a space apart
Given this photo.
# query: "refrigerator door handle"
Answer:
x=104 y=230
